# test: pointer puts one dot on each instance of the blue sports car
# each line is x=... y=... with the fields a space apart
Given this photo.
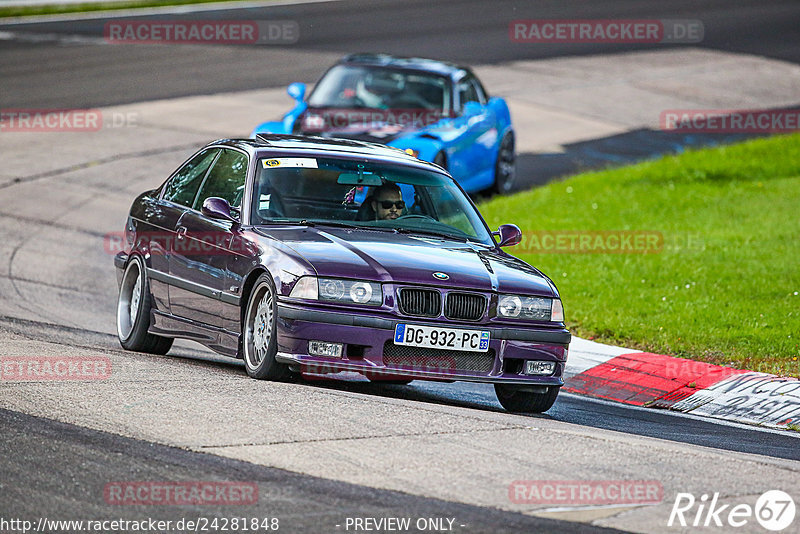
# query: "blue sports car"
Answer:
x=436 y=111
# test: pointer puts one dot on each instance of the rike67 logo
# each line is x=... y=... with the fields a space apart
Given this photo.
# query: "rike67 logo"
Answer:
x=774 y=510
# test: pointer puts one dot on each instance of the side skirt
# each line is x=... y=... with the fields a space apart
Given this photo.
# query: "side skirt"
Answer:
x=217 y=339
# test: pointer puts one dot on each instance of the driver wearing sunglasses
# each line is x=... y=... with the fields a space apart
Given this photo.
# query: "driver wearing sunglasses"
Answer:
x=388 y=202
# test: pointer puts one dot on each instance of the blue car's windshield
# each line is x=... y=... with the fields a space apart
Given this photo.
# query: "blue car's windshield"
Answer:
x=346 y=86
x=380 y=196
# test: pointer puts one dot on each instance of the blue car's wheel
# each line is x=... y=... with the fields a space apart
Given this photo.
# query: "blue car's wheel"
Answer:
x=133 y=312
x=260 y=340
x=504 y=169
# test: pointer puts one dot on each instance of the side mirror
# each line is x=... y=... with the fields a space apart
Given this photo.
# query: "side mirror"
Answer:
x=218 y=208
x=472 y=108
x=297 y=91
x=508 y=235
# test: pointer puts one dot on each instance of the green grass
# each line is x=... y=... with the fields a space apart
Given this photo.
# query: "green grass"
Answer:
x=724 y=289
x=58 y=9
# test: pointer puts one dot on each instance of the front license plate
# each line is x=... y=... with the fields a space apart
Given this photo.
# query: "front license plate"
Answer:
x=436 y=337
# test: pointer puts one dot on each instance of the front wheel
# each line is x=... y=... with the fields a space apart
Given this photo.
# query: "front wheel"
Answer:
x=504 y=167
x=260 y=340
x=133 y=312
x=519 y=399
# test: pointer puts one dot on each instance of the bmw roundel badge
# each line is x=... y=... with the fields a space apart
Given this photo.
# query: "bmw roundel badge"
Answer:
x=440 y=276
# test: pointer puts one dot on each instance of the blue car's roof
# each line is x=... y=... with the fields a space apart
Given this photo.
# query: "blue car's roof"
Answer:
x=406 y=63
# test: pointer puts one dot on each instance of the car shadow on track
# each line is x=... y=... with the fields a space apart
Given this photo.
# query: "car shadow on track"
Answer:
x=537 y=169
x=457 y=394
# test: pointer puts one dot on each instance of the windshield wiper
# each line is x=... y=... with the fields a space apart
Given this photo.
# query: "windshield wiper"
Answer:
x=431 y=233
x=340 y=224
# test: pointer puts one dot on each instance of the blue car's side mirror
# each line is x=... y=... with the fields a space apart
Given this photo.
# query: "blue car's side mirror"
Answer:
x=472 y=108
x=297 y=91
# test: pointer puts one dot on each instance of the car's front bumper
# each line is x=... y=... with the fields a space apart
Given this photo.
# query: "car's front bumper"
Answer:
x=369 y=349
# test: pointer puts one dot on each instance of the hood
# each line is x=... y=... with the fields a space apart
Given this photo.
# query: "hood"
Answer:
x=408 y=258
x=375 y=126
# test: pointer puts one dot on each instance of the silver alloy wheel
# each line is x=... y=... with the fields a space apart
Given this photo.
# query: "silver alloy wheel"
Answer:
x=130 y=298
x=258 y=332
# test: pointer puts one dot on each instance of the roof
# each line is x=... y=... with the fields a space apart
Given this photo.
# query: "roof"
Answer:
x=407 y=63
x=345 y=147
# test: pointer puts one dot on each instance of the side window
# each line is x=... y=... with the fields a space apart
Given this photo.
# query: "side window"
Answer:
x=466 y=92
x=483 y=98
x=184 y=185
x=226 y=179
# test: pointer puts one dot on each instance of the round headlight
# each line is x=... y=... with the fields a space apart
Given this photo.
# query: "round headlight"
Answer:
x=536 y=308
x=509 y=306
x=331 y=289
x=361 y=292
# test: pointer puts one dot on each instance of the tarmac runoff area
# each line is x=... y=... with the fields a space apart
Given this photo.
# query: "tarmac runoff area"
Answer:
x=58 y=284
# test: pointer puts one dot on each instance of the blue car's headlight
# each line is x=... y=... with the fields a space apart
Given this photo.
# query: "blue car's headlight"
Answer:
x=338 y=290
x=530 y=308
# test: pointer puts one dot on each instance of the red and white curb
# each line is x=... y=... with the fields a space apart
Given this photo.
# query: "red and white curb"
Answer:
x=658 y=381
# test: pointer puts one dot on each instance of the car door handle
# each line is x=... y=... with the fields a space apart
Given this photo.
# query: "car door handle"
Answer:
x=181 y=232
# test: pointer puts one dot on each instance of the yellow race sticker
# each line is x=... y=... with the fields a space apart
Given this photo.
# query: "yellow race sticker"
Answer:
x=296 y=163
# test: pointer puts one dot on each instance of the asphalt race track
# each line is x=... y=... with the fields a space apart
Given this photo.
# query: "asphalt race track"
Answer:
x=320 y=452
x=470 y=31
x=302 y=503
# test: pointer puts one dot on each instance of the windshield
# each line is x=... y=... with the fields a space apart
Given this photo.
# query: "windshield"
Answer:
x=346 y=86
x=379 y=196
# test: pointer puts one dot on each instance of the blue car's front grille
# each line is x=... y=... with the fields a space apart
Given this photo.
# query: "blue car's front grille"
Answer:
x=466 y=306
x=420 y=302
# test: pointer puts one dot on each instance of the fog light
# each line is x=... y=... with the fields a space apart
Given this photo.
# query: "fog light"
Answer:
x=533 y=367
x=323 y=348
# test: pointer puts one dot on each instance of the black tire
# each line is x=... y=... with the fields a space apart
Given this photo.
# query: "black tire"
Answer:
x=133 y=312
x=516 y=399
x=259 y=333
x=504 y=167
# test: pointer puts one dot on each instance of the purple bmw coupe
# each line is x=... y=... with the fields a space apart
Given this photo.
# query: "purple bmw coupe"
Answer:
x=318 y=257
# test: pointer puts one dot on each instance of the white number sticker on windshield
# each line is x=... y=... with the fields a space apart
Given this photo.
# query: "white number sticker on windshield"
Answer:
x=295 y=163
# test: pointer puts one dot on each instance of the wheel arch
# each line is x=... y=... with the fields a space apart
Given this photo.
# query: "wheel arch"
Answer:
x=508 y=130
x=247 y=288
